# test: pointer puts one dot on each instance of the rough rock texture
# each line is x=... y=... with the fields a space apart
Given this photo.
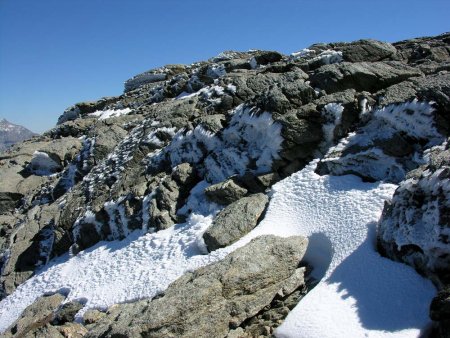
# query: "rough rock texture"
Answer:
x=415 y=225
x=235 y=221
x=66 y=313
x=35 y=318
x=440 y=312
x=225 y=192
x=92 y=316
x=216 y=298
x=231 y=126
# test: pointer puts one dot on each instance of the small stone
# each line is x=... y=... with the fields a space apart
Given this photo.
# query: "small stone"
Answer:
x=73 y=330
x=67 y=312
x=225 y=193
x=92 y=316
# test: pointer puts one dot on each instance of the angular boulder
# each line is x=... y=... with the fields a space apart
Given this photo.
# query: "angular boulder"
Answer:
x=235 y=221
x=362 y=76
x=368 y=50
x=35 y=317
x=225 y=192
x=414 y=226
x=213 y=300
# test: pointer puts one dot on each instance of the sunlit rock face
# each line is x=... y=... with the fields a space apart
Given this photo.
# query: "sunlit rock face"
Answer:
x=129 y=194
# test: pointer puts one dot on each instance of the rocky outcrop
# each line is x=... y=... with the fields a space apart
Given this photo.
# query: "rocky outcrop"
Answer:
x=440 y=313
x=36 y=319
x=214 y=299
x=214 y=137
x=414 y=226
x=235 y=221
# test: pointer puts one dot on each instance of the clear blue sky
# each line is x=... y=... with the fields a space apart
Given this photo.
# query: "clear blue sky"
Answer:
x=54 y=53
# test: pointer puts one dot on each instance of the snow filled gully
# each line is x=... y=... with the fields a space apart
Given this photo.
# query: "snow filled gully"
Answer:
x=361 y=294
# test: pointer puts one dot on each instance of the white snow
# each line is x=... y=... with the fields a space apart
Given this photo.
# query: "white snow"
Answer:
x=227 y=55
x=304 y=53
x=414 y=118
x=231 y=88
x=42 y=164
x=421 y=224
x=207 y=93
x=326 y=57
x=249 y=137
x=332 y=112
x=329 y=57
x=106 y=114
x=152 y=137
x=216 y=70
x=360 y=294
x=147 y=77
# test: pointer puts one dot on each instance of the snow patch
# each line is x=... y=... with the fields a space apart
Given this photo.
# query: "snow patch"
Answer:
x=43 y=165
x=249 y=137
x=106 y=114
x=332 y=113
x=329 y=57
x=414 y=118
x=304 y=53
x=360 y=295
x=216 y=70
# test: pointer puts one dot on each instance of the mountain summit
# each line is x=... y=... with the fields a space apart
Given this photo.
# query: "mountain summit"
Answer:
x=12 y=133
x=252 y=194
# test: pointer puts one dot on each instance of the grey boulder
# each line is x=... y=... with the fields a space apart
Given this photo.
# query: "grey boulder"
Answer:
x=235 y=221
x=213 y=300
x=225 y=192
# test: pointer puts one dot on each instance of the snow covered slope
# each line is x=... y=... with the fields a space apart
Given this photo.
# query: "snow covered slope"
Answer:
x=112 y=206
x=338 y=214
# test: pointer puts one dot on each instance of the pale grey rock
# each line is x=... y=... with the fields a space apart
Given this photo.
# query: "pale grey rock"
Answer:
x=367 y=50
x=225 y=192
x=92 y=316
x=72 y=330
x=235 y=221
x=362 y=76
x=212 y=300
x=414 y=226
x=35 y=317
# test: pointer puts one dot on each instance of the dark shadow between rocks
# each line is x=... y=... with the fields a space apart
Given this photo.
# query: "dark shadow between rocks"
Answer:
x=380 y=303
x=318 y=254
x=347 y=182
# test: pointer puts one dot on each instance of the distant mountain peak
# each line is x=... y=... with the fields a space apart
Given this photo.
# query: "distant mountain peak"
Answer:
x=11 y=133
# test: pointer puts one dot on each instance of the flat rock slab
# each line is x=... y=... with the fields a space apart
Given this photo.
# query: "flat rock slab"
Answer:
x=35 y=316
x=214 y=299
x=235 y=221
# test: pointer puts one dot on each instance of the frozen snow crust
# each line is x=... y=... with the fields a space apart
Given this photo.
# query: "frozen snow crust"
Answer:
x=341 y=245
x=351 y=133
x=415 y=227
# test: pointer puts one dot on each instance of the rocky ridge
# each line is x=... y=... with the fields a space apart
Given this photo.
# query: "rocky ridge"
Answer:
x=233 y=126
